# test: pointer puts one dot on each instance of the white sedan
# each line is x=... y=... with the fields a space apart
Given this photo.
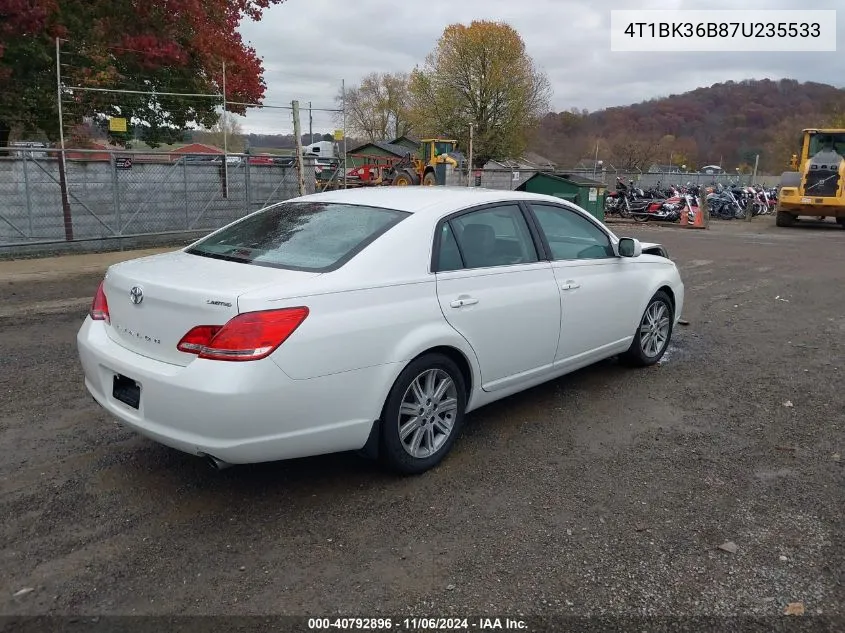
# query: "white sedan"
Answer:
x=370 y=319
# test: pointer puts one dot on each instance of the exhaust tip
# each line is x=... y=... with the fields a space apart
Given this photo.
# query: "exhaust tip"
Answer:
x=217 y=464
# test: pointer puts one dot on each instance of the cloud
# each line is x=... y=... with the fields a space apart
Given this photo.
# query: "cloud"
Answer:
x=310 y=46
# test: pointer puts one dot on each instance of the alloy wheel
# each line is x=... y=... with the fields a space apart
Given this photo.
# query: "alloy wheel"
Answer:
x=654 y=329
x=427 y=413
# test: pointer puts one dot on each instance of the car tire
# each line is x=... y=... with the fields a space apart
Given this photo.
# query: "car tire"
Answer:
x=641 y=353
x=784 y=219
x=412 y=450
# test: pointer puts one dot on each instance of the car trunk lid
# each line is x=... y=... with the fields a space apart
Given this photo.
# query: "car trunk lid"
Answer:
x=155 y=301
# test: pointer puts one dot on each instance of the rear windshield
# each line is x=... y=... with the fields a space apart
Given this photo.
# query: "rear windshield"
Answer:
x=309 y=236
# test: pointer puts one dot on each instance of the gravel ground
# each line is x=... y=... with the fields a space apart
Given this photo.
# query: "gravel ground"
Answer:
x=607 y=492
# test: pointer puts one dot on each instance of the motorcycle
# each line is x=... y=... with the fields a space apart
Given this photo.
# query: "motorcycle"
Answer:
x=668 y=210
x=761 y=202
x=614 y=203
x=671 y=209
x=638 y=202
x=722 y=203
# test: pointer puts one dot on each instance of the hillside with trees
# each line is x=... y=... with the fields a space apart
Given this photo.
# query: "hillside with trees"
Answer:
x=731 y=122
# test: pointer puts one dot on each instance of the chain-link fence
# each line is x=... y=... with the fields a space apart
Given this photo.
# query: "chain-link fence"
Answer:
x=501 y=178
x=646 y=180
x=106 y=194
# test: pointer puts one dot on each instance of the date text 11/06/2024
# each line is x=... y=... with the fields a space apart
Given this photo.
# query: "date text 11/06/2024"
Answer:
x=724 y=29
x=417 y=624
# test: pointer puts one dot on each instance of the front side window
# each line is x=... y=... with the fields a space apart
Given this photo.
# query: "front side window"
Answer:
x=571 y=236
x=827 y=142
x=496 y=236
x=309 y=236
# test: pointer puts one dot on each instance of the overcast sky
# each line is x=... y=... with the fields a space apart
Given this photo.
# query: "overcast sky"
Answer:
x=309 y=46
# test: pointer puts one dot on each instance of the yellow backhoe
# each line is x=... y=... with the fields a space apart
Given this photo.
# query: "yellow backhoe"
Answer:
x=816 y=186
x=423 y=171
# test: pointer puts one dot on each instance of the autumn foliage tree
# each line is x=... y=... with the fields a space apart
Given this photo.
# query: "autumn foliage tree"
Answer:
x=377 y=108
x=149 y=46
x=480 y=75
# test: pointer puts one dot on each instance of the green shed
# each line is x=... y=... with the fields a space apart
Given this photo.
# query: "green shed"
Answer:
x=586 y=193
x=375 y=150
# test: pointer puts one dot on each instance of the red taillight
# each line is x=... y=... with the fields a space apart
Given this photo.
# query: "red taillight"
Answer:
x=248 y=336
x=198 y=338
x=99 y=307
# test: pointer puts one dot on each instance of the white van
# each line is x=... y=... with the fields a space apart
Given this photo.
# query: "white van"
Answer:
x=321 y=149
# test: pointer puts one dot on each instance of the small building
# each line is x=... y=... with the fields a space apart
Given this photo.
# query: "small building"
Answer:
x=540 y=162
x=527 y=162
x=370 y=150
x=586 y=193
x=712 y=170
x=194 y=148
x=410 y=142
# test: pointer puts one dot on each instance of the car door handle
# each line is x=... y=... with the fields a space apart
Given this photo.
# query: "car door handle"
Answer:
x=465 y=301
x=569 y=285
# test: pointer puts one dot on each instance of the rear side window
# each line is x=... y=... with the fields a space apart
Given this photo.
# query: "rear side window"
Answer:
x=308 y=236
x=495 y=236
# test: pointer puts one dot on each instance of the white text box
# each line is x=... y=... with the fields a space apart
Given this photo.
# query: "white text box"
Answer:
x=714 y=31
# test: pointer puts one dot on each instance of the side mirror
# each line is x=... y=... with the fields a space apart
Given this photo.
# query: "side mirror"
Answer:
x=629 y=247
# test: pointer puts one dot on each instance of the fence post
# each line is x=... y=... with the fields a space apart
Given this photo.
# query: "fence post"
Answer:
x=247 y=182
x=66 y=213
x=116 y=198
x=26 y=157
x=298 y=140
x=185 y=187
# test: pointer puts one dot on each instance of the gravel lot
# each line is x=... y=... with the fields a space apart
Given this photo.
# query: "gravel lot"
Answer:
x=605 y=492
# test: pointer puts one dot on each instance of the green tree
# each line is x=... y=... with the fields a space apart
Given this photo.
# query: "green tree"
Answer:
x=124 y=44
x=481 y=76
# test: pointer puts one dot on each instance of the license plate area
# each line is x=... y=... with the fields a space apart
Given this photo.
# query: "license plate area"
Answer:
x=126 y=391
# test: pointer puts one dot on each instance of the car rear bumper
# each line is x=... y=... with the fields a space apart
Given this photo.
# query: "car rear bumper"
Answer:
x=238 y=412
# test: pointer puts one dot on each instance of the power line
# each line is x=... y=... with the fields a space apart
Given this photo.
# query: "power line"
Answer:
x=145 y=92
x=155 y=93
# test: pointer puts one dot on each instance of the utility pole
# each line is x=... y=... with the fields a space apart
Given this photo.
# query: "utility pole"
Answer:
x=596 y=161
x=756 y=164
x=469 y=166
x=297 y=133
x=310 y=124
x=343 y=99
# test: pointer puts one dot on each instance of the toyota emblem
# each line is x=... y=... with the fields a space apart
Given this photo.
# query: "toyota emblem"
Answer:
x=136 y=294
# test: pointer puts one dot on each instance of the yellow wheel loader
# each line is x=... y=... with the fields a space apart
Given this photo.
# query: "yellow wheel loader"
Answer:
x=816 y=187
x=422 y=171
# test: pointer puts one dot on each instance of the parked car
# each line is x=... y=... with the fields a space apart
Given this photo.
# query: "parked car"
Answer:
x=371 y=319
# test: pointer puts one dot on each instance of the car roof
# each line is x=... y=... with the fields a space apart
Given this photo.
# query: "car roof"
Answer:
x=420 y=199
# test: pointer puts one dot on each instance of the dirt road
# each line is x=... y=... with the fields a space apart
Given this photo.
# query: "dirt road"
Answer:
x=606 y=492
